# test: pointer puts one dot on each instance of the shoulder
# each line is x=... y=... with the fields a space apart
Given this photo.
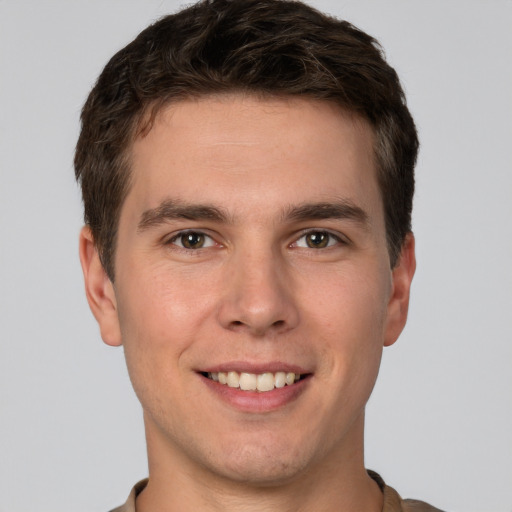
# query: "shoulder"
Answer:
x=418 y=506
x=129 y=505
x=393 y=501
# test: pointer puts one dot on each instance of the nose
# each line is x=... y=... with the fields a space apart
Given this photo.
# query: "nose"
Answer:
x=258 y=295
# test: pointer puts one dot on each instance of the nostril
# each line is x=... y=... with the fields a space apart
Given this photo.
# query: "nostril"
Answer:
x=278 y=323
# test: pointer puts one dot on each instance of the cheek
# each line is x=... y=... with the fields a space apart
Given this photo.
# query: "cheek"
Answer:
x=160 y=317
x=351 y=316
x=159 y=304
x=352 y=301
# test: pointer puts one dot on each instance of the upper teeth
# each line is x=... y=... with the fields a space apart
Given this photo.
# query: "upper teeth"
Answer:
x=253 y=381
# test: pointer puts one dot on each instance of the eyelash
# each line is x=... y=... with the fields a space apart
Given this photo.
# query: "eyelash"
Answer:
x=331 y=237
x=181 y=234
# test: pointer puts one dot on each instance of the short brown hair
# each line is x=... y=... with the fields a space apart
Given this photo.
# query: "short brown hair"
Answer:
x=270 y=47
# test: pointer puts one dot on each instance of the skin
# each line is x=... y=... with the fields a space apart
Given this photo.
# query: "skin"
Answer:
x=255 y=293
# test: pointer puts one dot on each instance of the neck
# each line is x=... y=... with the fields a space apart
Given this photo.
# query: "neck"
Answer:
x=337 y=483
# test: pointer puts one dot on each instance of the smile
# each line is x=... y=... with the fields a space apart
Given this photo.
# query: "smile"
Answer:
x=261 y=382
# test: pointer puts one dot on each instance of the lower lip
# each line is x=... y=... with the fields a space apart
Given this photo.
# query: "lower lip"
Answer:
x=254 y=401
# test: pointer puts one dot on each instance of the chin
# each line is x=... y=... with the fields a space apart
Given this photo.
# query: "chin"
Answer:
x=261 y=465
x=273 y=473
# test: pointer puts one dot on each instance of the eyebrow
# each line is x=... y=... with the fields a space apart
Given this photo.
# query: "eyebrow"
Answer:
x=341 y=209
x=172 y=209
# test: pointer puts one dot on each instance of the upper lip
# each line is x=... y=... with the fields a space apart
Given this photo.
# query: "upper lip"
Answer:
x=256 y=368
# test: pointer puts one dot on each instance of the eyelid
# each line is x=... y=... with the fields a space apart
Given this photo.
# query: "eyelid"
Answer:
x=338 y=237
x=171 y=239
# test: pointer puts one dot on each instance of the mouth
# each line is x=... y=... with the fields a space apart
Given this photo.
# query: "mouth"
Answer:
x=259 y=382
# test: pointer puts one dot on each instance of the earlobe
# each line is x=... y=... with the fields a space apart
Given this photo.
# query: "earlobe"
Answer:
x=99 y=290
x=398 y=305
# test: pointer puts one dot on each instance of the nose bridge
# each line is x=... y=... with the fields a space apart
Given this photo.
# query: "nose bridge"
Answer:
x=258 y=296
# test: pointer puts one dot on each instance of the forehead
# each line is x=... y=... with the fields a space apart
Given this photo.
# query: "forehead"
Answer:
x=242 y=151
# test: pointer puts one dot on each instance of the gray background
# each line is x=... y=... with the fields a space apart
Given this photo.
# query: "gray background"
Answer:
x=439 y=422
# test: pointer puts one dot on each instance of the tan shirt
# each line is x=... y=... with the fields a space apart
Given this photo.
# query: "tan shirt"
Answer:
x=392 y=500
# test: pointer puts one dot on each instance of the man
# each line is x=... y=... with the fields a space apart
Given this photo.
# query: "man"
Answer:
x=247 y=177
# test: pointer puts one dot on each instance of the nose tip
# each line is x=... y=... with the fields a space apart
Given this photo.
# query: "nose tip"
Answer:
x=257 y=325
x=258 y=300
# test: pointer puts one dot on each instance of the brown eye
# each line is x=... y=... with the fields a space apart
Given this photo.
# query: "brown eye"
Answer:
x=317 y=239
x=192 y=240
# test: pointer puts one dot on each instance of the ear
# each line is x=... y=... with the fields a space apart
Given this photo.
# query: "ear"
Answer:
x=99 y=290
x=398 y=305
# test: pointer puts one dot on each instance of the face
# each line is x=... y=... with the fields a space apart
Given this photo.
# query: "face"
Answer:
x=252 y=250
